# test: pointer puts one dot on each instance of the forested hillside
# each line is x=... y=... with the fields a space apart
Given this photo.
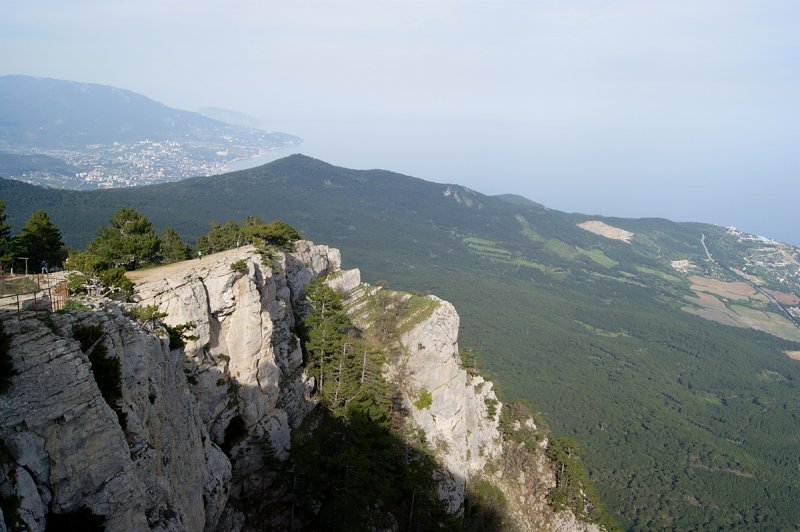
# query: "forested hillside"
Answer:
x=687 y=423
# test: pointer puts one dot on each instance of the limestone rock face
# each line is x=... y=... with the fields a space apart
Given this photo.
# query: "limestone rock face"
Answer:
x=72 y=452
x=457 y=423
x=245 y=358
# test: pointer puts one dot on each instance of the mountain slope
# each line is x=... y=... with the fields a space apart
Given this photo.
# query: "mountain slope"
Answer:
x=687 y=422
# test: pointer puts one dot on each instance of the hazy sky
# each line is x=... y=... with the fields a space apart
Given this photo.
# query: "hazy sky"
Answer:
x=684 y=109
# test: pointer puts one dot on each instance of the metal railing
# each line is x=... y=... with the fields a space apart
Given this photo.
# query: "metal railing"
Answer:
x=51 y=292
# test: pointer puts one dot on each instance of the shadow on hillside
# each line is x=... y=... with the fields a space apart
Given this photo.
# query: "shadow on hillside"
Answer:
x=345 y=473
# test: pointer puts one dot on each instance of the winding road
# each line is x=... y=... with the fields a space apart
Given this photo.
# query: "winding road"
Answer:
x=757 y=288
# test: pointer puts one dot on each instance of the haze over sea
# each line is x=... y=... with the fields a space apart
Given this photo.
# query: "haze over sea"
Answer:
x=498 y=158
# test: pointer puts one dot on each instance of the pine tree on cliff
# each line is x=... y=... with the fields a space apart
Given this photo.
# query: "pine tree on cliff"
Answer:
x=129 y=241
x=40 y=240
x=172 y=247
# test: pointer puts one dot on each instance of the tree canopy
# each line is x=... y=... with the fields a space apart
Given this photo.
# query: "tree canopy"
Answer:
x=172 y=247
x=129 y=241
x=40 y=240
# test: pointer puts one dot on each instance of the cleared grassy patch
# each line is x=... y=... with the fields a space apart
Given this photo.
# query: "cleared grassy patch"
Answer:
x=530 y=264
x=662 y=275
x=768 y=321
x=598 y=256
x=562 y=249
x=726 y=289
x=487 y=248
x=528 y=230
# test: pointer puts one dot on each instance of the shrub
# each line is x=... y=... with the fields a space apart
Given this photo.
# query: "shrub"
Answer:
x=146 y=313
x=239 y=266
x=115 y=278
x=73 y=304
x=178 y=335
x=491 y=407
x=269 y=257
x=424 y=401
x=281 y=234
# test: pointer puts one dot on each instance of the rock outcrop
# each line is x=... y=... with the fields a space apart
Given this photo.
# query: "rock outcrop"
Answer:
x=457 y=423
x=245 y=359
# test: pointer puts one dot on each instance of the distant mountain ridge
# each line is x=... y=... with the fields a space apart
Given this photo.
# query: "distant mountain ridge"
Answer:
x=516 y=199
x=622 y=332
x=115 y=136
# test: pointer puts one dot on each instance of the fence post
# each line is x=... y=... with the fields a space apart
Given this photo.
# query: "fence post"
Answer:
x=18 y=316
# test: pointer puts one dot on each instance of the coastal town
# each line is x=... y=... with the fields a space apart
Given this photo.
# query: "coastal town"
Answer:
x=150 y=161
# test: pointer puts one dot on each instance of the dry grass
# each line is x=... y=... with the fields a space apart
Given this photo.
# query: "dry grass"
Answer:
x=783 y=298
x=794 y=355
x=728 y=290
x=711 y=308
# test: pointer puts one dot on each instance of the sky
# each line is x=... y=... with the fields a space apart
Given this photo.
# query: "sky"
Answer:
x=686 y=109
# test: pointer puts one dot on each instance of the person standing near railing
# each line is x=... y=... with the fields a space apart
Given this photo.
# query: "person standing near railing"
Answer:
x=44 y=266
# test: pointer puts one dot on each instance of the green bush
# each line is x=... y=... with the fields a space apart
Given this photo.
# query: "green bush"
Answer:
x=146 y=313
x=178 y=335
x=491 y=406
x=424 y=401
x=281 y=234
x=239 y=266
x=115 y=278
x=73 y=304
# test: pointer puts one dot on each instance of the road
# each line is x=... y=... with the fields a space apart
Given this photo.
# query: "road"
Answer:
x=751 y=284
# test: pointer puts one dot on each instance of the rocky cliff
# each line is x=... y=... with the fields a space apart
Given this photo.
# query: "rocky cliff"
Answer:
x=192 y=426
x=152 y=465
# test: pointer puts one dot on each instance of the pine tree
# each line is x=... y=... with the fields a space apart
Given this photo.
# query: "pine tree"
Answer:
x=40 y=240
x=127 y=242
x=326 y=323
x=172 y=247
x=219 y=238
